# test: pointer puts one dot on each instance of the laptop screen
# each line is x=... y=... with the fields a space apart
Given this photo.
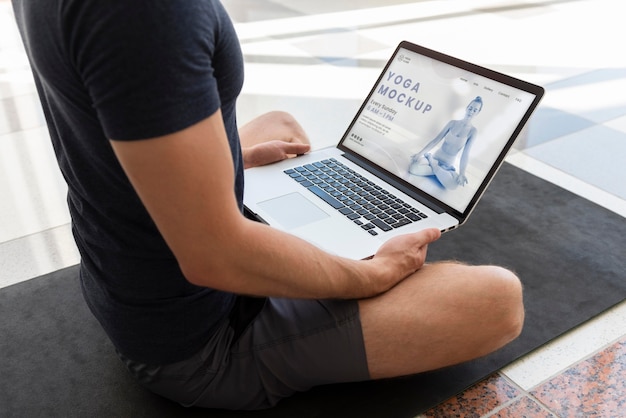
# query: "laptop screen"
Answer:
x=440 y=125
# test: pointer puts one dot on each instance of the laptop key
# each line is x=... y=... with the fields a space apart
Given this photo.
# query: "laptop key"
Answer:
x=412 y=216
x=401 y=222
x=381 y=225
x=326 y=197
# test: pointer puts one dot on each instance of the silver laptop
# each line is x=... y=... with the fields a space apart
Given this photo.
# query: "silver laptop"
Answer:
x=419 y=153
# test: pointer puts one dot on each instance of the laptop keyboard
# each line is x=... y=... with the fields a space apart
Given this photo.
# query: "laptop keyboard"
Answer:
x=366 y=204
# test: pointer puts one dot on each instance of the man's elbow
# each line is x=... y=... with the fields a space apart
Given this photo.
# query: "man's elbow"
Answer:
x=199 y=272
x=214 y=263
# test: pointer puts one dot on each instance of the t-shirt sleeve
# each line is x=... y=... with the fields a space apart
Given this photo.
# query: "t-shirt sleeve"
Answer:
x=148 y=65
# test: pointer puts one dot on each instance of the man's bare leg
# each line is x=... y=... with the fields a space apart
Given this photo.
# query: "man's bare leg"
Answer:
x=444 y=314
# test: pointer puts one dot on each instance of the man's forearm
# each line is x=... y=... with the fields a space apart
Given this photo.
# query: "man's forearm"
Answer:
x=259 y=260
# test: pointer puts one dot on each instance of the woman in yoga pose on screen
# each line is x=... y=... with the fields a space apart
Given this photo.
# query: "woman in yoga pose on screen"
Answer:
x=457 y=135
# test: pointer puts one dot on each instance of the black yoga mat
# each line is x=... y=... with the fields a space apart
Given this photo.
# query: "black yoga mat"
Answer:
x=56 y=361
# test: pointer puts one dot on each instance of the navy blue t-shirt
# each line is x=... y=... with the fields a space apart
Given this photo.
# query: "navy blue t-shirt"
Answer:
x=130 y=70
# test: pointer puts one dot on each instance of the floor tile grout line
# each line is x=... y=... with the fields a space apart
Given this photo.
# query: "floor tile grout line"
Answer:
x=25 y=130
x=31 y=93
x=528 y=393
x=574 y=364
x=35 y=234
x=522 y=394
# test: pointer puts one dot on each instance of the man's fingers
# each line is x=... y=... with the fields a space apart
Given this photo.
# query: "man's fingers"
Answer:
x=428 y=235
x=295 y=148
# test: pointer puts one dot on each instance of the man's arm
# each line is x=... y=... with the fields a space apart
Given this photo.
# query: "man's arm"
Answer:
x=186 y=180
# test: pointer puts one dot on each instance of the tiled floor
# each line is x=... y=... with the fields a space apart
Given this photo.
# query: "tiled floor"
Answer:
x=317 y=60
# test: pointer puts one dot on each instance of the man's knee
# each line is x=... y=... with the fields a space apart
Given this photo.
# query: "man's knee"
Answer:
x=506 y=293
x=290 y=125
x=447 y=313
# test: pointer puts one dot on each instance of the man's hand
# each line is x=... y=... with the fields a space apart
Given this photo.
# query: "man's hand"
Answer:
x=272 y=137
x=405 y=254
x=271 y=152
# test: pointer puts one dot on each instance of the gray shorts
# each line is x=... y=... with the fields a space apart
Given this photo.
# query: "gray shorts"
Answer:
x=267 y=350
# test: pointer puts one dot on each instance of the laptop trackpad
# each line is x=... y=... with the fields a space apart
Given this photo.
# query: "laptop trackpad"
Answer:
x=293 y=210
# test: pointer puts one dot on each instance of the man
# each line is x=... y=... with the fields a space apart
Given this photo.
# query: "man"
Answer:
x=140 y=102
